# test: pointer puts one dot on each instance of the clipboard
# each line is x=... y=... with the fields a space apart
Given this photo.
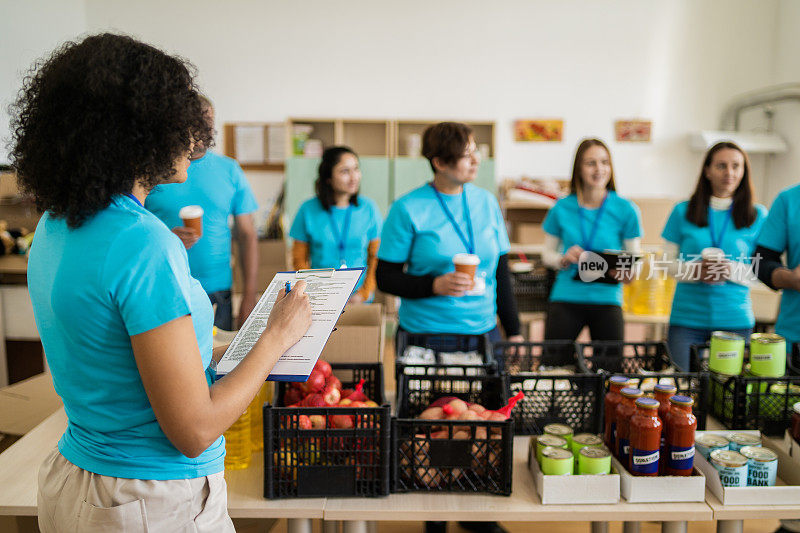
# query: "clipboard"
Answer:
x=329 y=290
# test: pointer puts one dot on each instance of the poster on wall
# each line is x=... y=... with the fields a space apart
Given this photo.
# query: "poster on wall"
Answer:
x=539 y=130
x=633 y=131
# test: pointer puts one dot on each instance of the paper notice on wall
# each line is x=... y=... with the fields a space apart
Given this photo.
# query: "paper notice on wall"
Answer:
x=249 y=144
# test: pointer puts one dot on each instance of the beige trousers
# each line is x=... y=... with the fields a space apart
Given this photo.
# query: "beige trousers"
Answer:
x=71 y=499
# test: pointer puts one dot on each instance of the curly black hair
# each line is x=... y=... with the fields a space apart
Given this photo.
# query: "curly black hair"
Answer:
x=98 y=116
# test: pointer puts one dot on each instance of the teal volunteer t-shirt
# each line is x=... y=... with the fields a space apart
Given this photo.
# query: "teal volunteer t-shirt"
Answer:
x=712 y=306
x=781 y=232
x=619 y=220
x=218 y=185
x=119 y=274
x=418 y=233
x=323 y=230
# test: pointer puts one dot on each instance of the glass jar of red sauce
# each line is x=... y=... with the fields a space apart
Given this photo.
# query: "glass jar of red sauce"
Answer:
x=796 y=422
x=663 y=392
x=681 y=426
x=645 y=438
x=622 y=417
x=612 y=399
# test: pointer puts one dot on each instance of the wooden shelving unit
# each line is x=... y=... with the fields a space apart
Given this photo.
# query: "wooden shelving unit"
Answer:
x=268 y=162
x=484 y=133
x=367 y=137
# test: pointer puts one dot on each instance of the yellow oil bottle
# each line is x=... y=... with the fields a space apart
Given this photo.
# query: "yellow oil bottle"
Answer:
x=237 y=443
x=257 y=416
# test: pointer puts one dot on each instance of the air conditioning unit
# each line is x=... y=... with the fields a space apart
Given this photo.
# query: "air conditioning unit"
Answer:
x=752 y=143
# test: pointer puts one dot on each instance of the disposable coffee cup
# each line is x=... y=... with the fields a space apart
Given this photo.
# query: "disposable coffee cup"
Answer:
x=467 y=263
x=192 y=216
x=712 y=254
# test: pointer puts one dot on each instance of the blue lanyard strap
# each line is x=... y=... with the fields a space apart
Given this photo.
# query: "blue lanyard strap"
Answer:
x=132 y=197
x=587 y=241
x=469 y=244
x=716 y=239
x=341 y=238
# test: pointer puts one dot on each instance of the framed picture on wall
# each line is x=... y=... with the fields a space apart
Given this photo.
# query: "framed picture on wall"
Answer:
x=633 y=131
x=539 y=130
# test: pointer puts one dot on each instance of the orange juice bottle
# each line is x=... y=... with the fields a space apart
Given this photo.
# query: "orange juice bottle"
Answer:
x=237 y=443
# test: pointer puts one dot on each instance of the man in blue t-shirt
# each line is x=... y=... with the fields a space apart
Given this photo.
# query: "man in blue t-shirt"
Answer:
x=218 y=185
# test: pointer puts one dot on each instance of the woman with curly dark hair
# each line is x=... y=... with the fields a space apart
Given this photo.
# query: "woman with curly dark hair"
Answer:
x=126 y=329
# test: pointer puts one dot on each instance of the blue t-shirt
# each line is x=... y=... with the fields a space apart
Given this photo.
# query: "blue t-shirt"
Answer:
x=119 y=274
x=217 y=184
x=620 y=220
x=781 y=232
x=712 y=306
x=418 y=233
x=322 y=230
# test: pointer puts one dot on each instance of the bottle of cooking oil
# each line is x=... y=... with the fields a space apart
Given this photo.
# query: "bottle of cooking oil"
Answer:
x=649 y=290
x=237 y=443
x=257 y=416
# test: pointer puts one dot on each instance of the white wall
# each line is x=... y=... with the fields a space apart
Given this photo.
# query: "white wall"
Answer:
x=28 y=30
x=677 y=63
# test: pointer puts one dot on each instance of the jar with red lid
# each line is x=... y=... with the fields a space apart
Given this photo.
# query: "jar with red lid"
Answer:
x=645 y=438
x=681 y=426
x=610 y=402
x=622 y=416
x=663 y=392
x=795 y=431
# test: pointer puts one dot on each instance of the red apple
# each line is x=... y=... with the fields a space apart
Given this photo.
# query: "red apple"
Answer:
x=314 y=400
x=342 y=421
x=317 y=421
x=333 y=381
x=347 y=392
x=331 y=396
x=314 y=383
x=345 y=402
x=370 y=403
x=356 y=403
x=291 y=396
x=324 y=367
x=304 y=422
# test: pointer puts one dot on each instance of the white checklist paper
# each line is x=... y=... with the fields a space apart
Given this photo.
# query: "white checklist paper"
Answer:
x=328 y=291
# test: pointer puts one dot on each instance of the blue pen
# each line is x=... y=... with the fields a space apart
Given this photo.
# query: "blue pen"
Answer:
x=288 y=287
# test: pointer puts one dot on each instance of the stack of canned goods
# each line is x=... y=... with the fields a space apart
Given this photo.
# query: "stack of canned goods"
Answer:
x=559 y=452
x=739 y=459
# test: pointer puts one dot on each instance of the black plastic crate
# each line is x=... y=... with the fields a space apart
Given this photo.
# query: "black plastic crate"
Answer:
x=567 y=398
x=749 y=402
x=532 y=289
x=452 y=456
x=329 y=461
x=646 y=363
x=349 y=374
x=794 y=362
x=442 y=344
x=415 y=393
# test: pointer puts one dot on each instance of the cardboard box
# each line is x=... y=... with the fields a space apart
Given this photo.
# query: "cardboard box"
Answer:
x=660 y=489
x=359 y=336
x=584 y=489
x=785 y=492
x=25 y=404
x=792 y=448
x=271 y=260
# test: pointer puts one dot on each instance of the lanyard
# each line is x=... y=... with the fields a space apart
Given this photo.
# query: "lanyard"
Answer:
x=341 y=238
x=587 y=241
x=470 y=244
x=716 y=240
x=132 y=197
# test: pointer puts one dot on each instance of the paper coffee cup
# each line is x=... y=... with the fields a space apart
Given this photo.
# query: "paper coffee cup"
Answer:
x=466 y=263
x=192 y=216
x=712 y=254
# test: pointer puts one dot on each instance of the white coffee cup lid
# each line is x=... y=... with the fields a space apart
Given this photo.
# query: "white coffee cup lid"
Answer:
x=466 y=259
x=712 y=254
x=190 y=211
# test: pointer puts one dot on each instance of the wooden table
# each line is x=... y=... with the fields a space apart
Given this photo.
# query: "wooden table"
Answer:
x=730 y=517
x=20 y=463
x=523 y=505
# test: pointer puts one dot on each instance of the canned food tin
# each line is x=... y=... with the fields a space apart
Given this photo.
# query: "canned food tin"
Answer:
x=708 y=442
x=557 y=461
x=762 y=466
x=726 y=353
x=542 y=441
x=742 y=439
x=593 y=460
x=732 y=467
x=559 y=430
x=582 y=440
x=767 y=355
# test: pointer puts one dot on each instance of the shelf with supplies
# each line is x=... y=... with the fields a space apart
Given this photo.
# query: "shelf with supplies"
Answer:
x=256 y=145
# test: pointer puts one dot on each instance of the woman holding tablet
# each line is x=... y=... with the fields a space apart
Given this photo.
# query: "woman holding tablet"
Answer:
x=592 y=218
x=711 y=238
x=338 y=228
